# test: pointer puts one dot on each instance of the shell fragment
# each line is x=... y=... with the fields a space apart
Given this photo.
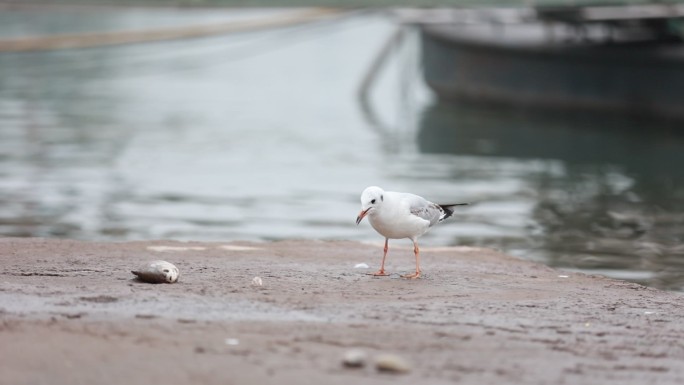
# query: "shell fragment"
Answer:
x=157 y=272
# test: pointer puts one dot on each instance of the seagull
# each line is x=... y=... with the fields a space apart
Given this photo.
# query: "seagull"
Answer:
x=398 y=215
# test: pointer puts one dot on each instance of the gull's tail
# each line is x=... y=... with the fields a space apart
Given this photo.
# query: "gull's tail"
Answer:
x=449 y=210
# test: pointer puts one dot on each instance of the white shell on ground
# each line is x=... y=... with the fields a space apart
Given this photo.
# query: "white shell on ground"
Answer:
x=355 y=358
x=392 y=364
x=157 y=272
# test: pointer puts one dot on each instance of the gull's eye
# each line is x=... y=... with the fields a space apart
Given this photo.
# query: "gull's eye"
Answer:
x=372 y=201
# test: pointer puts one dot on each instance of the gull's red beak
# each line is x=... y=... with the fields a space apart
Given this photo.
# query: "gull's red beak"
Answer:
x=361 y=215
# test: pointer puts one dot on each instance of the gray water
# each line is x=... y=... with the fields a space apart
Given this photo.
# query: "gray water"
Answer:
x=259 y=136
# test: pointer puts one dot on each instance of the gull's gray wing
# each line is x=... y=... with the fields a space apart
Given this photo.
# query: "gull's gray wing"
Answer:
x=424 y=209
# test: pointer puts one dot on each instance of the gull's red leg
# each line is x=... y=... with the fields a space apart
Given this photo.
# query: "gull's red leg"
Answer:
x=381 y=272
x=416 y=251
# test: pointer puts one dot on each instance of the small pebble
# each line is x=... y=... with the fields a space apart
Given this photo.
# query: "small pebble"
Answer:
x=157 y=272
x=232 y=341
x=361 y=266
x=355 y=358
x=391 y=363
x=257 y=281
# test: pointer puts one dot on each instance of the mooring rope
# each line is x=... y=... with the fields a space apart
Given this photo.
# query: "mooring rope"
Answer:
x=99 y=39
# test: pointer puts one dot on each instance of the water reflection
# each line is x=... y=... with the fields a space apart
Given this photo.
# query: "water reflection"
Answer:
x=609 y=196
x=53 y=161
x=202 y=139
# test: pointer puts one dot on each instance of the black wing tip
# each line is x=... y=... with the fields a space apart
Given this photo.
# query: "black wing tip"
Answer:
x=449 y=209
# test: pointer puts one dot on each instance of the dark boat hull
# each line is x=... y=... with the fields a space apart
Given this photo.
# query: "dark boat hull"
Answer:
x=643 y=78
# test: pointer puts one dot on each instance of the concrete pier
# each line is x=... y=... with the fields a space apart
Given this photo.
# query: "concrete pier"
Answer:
x=71 y=313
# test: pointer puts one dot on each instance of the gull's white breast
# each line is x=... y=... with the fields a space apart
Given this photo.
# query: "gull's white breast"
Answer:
x=394 y=219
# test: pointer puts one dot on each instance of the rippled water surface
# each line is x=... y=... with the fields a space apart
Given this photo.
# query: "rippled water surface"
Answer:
x=260 y=136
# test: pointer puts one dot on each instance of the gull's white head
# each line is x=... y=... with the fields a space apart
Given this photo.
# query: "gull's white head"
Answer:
x=371 y=200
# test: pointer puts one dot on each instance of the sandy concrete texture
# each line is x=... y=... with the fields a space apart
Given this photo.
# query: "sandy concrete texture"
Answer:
x=72 y=313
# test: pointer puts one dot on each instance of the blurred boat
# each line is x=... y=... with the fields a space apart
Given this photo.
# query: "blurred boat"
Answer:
x=625 y=59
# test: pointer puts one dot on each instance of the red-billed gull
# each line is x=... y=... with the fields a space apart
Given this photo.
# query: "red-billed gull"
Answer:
x=398 y=215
